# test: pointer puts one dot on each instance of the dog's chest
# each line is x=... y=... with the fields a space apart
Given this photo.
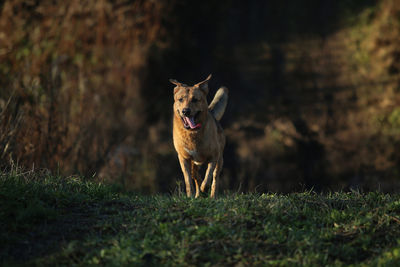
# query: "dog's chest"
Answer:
x=195 y=155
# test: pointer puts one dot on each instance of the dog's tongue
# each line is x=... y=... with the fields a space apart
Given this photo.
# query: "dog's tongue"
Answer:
x=192 y=125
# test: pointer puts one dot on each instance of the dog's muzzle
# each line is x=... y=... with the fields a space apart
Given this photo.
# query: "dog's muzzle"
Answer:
x=189 y=122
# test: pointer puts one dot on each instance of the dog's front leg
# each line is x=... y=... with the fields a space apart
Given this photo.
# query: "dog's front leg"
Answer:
x=216 y=173
x=195 y=176
x=209 y=173
x=185 y=166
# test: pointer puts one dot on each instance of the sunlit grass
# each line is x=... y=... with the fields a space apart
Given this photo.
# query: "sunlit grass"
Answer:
x=51 y=221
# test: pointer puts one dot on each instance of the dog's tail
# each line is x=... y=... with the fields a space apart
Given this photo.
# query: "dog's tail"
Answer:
x=218 y=105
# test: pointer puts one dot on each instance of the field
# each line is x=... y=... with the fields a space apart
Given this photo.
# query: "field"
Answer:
x=49 y=220
x=313 y=113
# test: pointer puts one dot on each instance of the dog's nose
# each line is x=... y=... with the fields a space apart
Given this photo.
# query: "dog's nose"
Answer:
x=186 y=111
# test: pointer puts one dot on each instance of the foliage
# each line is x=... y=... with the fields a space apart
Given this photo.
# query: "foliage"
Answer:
x=72 y=89
x=314 y=89
x=50 y=220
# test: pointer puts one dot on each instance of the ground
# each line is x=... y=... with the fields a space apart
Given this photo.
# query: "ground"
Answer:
x=49 y=220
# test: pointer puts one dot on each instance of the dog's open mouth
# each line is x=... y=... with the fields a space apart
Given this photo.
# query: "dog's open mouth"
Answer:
x=190 y=122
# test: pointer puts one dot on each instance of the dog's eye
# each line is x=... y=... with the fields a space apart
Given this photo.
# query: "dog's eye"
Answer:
x=180 y=99
x=194 y=100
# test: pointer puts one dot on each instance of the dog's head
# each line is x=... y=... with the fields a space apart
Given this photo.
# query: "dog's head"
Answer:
x=191 y=103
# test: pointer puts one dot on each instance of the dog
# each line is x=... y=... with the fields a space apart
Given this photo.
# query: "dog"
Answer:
x=197 y=134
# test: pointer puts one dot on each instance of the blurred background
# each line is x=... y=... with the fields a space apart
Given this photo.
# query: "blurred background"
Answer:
x=314 y=90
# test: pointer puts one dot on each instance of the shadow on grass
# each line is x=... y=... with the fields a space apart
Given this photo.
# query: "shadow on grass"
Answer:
x=43 y=216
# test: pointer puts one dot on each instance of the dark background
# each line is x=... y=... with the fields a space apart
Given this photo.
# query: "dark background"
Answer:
x=314 y=90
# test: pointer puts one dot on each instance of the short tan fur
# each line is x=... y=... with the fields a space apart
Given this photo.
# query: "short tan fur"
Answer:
x=197 y=133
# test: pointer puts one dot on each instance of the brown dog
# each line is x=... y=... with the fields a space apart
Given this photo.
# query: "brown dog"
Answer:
x=198 y=135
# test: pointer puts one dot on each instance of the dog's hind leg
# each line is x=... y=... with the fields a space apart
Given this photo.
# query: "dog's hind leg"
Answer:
x=209 y=173
x=185 y=166
x=195 y=176
x=216 y=173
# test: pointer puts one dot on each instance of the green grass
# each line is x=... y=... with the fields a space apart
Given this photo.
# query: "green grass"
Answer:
x=55 y=221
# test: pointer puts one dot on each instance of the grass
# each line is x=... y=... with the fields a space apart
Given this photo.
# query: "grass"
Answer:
x=56 y=221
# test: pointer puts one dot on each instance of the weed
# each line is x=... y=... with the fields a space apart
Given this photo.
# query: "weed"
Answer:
x=50 y=220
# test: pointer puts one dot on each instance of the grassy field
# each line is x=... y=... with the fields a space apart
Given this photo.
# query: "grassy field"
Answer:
x=50 y=221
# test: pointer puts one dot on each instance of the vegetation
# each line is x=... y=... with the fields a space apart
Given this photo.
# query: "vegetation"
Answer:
x=314 y=89
x=50 y=220
x=314 y=103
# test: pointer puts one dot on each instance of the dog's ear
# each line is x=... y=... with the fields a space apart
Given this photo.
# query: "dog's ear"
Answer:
x=175 y=82
x=178 y=84
x=203 y=85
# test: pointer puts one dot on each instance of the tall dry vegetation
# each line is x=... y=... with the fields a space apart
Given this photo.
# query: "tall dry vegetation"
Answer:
x=373 y=65
x=314 y=89
x=71 y=79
